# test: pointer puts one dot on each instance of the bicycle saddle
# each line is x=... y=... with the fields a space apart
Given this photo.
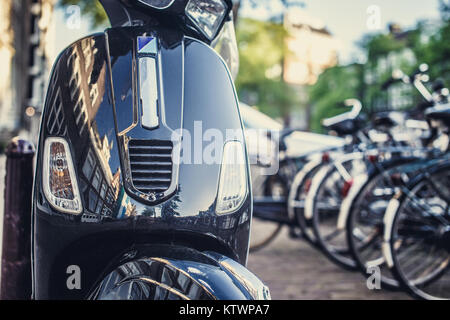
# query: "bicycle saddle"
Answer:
x=439 y=112
x=388 y=119
x=343 y=124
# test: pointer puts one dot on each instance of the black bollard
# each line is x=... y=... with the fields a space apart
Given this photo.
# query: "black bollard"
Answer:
x=16 y=245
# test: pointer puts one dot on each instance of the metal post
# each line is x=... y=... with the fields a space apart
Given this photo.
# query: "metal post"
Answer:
x=16 y=245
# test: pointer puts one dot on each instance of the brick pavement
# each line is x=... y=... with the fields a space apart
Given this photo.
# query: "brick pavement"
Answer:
x=293 y=270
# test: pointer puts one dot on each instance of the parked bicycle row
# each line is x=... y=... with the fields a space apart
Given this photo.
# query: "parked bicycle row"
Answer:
x=380 y=201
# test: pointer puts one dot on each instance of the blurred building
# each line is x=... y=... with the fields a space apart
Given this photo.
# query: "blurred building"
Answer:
x=312 y=49
x=25 y=40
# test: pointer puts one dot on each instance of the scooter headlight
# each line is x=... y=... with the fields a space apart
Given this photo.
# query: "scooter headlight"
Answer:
x=59 y=180
x=233 y=178
x=207 y=15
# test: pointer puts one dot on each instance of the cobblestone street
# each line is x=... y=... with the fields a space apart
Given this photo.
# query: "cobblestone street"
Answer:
x=294 y=270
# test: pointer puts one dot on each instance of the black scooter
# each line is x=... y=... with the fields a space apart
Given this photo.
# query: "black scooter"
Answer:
x=119 y=211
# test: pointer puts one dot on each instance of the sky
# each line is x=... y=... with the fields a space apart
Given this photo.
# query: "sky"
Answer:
x=347 y=20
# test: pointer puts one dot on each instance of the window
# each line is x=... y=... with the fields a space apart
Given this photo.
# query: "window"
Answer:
x=93 y=95
x=99 y=207
x=96 y=180
x=83 y=123
x=92 y=200
x=103 y=191
x=89 y=165
x=110 y=197
x=73 y=87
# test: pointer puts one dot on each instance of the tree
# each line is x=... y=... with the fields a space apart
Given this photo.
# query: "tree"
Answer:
x=444 y=6
x=262 y=50
x=334 y=85
x=379 y=45
x=436 y=51
x=426 y=43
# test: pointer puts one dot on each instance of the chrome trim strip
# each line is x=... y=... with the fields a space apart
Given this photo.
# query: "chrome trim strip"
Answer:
x=148 y=92
x=150 y=114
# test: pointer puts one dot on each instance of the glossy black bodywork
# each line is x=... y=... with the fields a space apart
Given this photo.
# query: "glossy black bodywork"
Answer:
x=178 y=273
x=90 y=100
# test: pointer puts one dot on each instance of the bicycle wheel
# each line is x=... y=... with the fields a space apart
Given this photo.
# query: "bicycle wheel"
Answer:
x=264 y=232
x=329 y=188
x=417 y=236
x=367 y=203
x=365 y=227
x=297 y=196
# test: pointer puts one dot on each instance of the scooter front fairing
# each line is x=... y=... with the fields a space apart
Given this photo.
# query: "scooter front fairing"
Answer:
x=99 y=116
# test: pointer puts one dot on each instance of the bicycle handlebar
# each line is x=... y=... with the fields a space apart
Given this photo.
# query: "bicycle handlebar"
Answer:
x=399 y=76
x=417 y=78
x=352 y=114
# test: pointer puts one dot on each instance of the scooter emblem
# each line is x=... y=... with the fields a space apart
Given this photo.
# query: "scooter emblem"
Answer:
x=147 y=45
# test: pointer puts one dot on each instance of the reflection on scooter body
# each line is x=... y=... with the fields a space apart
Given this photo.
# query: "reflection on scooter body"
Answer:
x=116 y=215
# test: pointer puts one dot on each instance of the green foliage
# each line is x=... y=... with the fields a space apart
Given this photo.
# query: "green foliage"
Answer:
x=437 y=52
x=91 y=8
x=333 y=87
x=444 y=7
x=262 y=47
x=379 y=45
x=384 y=52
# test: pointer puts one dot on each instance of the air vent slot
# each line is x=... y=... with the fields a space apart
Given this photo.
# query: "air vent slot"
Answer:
x=151 y=165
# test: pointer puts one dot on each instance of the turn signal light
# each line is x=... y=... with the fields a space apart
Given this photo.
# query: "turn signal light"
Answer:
x=233 y=178
x=59 y=179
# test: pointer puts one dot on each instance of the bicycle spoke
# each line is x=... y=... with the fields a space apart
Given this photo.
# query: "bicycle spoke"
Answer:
x=333 y=235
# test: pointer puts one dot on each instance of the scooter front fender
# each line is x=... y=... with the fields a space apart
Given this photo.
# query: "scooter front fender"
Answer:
x=188 y=275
